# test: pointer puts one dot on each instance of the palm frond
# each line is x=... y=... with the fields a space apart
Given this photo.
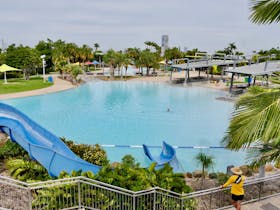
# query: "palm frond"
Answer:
x=256 y=118
x=265 y=11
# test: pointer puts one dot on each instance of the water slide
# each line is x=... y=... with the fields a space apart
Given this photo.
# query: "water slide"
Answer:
x=41 y=144
x=167 y=155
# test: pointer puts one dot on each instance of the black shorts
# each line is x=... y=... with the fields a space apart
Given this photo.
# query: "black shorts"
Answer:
x=237 y=197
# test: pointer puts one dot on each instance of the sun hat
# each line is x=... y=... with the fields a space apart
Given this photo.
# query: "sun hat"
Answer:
x=236 y=170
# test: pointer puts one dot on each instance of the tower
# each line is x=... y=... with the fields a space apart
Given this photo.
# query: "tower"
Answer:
x=164 y=43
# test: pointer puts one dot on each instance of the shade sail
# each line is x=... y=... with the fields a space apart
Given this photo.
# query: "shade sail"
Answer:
x=95 y=62
x=88 y=63
x=4 y=68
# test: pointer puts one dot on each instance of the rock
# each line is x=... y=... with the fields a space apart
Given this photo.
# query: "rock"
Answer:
x=188 y=175
x=269 y=168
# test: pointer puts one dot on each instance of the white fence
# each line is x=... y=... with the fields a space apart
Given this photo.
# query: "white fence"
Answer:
x=84 y=193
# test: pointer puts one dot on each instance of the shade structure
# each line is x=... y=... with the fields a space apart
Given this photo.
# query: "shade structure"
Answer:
x=88 y=63
x=95 y=62
x=4 y=68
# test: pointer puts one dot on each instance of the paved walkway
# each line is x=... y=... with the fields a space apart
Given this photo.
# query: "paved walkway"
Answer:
x=272 y=203
x=59 y=85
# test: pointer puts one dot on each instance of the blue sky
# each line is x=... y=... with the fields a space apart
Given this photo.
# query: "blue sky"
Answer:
x=208 y=25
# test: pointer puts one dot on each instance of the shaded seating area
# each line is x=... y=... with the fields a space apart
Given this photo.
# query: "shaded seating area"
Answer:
x=204 y=65
x=264 y=69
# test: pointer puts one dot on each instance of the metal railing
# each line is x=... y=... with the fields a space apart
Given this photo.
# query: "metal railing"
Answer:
x=84 y=193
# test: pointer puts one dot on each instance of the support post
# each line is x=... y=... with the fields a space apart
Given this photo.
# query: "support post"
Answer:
x=231 y=82
x=170 y=78
x=186 y=76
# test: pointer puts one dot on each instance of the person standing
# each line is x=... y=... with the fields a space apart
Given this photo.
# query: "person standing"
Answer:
x=237 y=192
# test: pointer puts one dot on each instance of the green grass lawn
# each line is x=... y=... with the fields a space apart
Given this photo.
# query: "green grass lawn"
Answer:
x=20 y=85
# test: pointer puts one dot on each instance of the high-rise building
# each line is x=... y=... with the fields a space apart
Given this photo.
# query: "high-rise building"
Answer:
x=164 y=43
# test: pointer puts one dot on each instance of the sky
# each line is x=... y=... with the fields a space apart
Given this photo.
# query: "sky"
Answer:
x=208 y=25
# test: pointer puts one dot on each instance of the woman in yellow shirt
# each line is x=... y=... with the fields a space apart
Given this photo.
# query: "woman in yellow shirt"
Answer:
x=237 y=192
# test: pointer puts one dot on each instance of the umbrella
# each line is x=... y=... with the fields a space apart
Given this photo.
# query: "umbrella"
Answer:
x=95 y=62
x=88 y=63
x=4 y=68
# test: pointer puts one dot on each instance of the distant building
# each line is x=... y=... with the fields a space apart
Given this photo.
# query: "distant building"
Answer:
x=164 y=43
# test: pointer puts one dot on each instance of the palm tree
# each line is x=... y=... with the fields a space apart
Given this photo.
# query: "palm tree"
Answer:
x=206 y=161
x=111 y=59
x=96 y=46
x=255 y=122
x=265 y=11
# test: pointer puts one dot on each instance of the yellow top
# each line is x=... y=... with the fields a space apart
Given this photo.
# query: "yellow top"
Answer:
x=236 y=188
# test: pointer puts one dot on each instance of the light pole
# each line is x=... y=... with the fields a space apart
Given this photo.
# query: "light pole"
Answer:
x=44 y=64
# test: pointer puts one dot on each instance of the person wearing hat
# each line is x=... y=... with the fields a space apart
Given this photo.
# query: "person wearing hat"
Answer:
x=237 y=192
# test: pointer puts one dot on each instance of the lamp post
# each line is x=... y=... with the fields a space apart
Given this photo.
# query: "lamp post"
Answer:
x=44 y=64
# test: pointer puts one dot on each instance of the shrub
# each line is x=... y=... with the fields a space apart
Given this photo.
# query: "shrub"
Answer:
x=12 y=150
x=277 y=164
x=222 y=177
x=213 y=175
x=91 y=153
x=25 y=170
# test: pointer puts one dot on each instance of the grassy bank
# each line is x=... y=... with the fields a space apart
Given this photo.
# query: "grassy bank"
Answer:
x=20 y=85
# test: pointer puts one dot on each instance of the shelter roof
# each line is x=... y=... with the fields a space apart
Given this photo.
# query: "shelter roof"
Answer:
x=206 y=63
x=264 y=68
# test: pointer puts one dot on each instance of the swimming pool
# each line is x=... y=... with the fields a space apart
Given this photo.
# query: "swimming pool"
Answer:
x=136 y=113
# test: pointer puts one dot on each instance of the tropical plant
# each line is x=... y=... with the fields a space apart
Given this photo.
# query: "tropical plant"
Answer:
x=206 y=161
x=112 y=60
x=265 y=11
x=255 y=122
x=96 y=46
x=91 y=153
x=12 y=150
x=25 y=170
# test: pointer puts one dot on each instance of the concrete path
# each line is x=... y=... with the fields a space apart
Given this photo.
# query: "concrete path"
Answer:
x=59 y=85
x=272 y=203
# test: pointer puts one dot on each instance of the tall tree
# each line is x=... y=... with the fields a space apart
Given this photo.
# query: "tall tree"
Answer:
x=111 y=59
x=96 y=46
x=265 y=11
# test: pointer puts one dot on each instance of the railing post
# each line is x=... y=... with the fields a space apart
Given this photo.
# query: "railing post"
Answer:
x=79 y=194
x=134 y=205
x=260 y=190
x=154 y=201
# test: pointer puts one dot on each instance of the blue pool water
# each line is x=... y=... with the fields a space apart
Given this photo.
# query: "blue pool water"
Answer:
x=135 y=113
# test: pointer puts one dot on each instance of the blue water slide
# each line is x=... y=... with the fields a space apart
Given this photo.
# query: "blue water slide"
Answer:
x=167 y=155
x=41 y=144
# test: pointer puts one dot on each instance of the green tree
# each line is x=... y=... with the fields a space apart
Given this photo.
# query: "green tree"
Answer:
x=46 y=48
x=173 y=53
x=111 y=58
x=149 y=60
x=265 y=11
x=206 y=161
x=23 y=57
x=96 y=46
